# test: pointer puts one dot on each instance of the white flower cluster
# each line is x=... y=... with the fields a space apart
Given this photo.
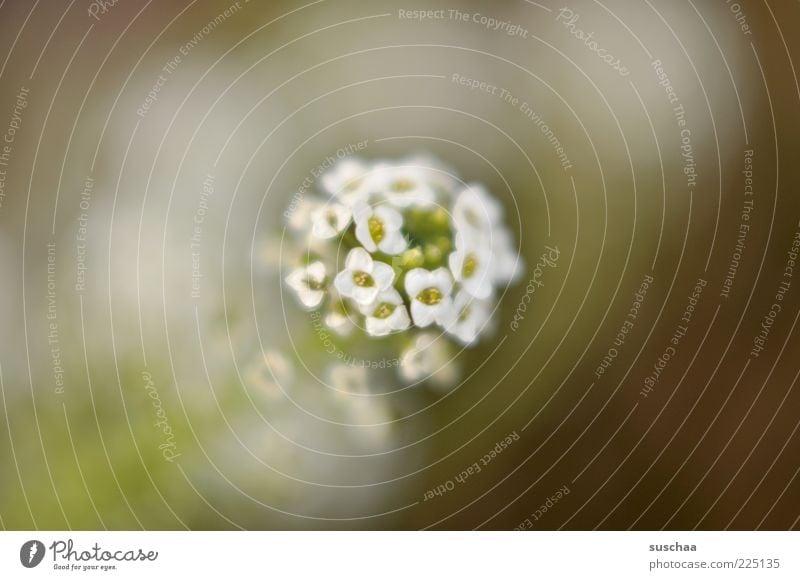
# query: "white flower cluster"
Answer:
x=403 y=245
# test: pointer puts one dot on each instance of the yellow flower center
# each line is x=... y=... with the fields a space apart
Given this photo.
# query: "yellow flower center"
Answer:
x=313 y=284
x=473 y=218
x=402 y=185
x=363 y=279
x=384 y=310
x=331 y=218
x=470 y=265
x=376 y=229
x=430 y=296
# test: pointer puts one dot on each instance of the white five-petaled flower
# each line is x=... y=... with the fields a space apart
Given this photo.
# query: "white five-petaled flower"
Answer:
x=349 y=181
x=298 y=216
x=379 y=228
x=386 y=314
x=476 y=212
x=471 y=264
x=403 y=185
x=429 y=358
x=363 y=278
x=340 y=323
x=309 y=283
x=429 y=293
x=468 y=317
x=330 y=220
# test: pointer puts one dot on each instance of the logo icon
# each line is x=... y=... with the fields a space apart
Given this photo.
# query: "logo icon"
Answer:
x=31 y=553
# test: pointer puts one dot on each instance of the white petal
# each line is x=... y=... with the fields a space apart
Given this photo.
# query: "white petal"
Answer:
x=378 y=326
x=316 y=270
x=479 y=287
x=296 y=279
x=443 y=311
x=393 y=244
x=358 y=260
x=323 y=216
x=390 y=217
x=344 y=283
x=390 y=296
x=344 y=176
x=422 y=314
x=383 y=275
x=343 y=215
x=364 y=294
x=442 y=279
x=310 y=298
x=417 y=280
x=456 y=262
x=399 y=319
x=364 y=236
x=339 y=323
x=362 y=211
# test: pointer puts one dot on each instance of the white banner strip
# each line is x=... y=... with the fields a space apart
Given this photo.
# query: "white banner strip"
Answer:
x=387 y=555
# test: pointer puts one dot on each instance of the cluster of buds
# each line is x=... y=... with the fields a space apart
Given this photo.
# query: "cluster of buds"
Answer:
x=402 y=246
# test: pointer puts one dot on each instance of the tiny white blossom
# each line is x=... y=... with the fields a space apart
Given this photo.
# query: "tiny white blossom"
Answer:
x=507 y=264
x=309 y=283
x=340 y=323
x=471 y=264
x=386 y=314
x=468 y=317
x=298 y=215
x=438 y=175
x=429 y=293
x=330 y=220
x=349 y=181
x=271 y=374
x=403 y=185
x=476 y=212
x=379 y=229
x=363 y=278
x=348 y=380
x=428 y=358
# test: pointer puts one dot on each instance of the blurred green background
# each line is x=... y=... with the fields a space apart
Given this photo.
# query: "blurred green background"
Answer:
x=263 y=429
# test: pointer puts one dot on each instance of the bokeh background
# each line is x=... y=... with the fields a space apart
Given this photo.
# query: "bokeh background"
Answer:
x=125 y=124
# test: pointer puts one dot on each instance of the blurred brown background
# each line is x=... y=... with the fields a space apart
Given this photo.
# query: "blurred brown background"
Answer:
x=260 y=94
